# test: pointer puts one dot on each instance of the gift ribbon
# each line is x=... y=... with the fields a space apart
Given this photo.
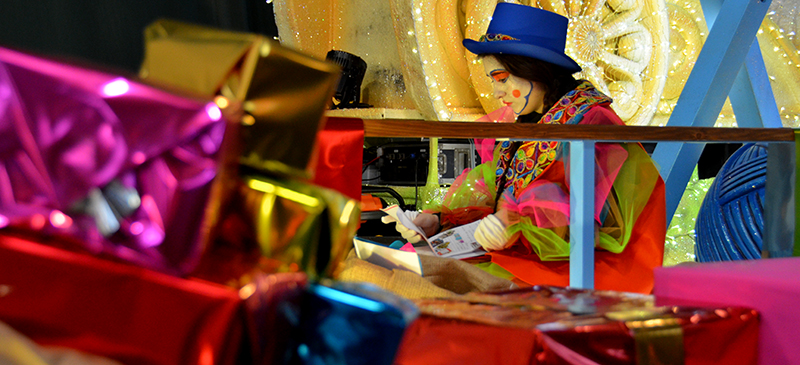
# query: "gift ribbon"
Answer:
x=658 y=341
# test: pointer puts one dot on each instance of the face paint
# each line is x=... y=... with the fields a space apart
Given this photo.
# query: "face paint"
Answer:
x=524 y=96
x=500 y=75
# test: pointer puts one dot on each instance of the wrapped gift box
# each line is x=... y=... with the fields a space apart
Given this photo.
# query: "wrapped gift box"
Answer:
x=299 y=175
x=106 y=163
x=770 y=286
x=552 y=325
x=253 y=70
x=340 y=148
x=283 y=93
x=281 y=225
x=126 y=313
x=345 y=323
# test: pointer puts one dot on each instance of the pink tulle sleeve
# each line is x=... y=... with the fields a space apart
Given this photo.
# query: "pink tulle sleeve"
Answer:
x=485 y=146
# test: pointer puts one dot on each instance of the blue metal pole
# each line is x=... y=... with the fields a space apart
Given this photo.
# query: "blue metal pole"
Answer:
x=581 y=214
x=706 y=89
x=751 y=96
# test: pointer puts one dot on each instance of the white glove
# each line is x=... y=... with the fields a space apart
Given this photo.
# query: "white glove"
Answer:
x=409 y=235
x=491 y=234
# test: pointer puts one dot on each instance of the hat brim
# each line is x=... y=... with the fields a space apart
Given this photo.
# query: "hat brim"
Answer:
x=522 y=49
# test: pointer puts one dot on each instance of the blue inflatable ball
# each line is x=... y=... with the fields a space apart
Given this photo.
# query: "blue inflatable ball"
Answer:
x=730 y=222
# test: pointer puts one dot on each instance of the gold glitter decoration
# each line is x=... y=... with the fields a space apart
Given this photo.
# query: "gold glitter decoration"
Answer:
x=429 y=38
x=638 y=51
x=477 y=14
x=688 y=30
x=622 y=46
x=361 y=27
x=782 y=61
x=687 y=33
x=680 y=242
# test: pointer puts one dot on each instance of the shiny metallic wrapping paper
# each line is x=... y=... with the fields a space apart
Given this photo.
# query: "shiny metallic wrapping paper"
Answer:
x=283 y=95
x=282 y=92
x=299 y=226
x=555 y=325
x=97 y=162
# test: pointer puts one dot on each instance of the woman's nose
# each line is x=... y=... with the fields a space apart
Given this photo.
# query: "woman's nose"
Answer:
x=497 y=92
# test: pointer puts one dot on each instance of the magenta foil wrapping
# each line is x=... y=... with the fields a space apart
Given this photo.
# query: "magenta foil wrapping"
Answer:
x=104 y=163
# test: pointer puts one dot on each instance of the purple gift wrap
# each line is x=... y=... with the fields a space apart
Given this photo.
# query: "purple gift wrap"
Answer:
x=103 y=163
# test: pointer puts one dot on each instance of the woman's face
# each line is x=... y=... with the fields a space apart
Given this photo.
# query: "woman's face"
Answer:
x=524 y=96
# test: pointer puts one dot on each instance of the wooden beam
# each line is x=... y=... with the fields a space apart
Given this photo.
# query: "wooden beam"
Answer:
x=559 y=132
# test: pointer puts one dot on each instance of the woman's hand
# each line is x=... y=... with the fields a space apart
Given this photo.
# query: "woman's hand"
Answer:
x=491 y=233
x=429 y=224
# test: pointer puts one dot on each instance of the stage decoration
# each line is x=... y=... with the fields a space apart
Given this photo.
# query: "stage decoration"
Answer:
x=677 y=30
x=679 y=246
x=429 y=35
x=730 y=222
x=432 y=74
x=776 y=37
x=779 y=44
x=361 y=27
x=687 y=32
x=622 y=47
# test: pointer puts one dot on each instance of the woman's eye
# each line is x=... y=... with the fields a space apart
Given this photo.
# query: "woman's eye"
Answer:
x=500 y=76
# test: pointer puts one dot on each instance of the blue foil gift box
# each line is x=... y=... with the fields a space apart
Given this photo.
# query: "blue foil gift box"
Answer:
x=349 y=323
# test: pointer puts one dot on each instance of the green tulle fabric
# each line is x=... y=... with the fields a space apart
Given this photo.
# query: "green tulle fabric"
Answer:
x=472 y=196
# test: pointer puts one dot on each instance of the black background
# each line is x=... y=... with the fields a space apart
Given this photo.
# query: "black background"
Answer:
x=110 y=32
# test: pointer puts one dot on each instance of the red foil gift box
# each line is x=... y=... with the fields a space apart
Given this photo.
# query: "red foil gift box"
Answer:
x=553 y=325
x=123 y=312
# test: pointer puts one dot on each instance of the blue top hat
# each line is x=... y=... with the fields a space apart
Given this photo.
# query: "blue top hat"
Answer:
x=526 y=31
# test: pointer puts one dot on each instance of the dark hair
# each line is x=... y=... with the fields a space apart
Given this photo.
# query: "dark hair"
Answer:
x=556 y=80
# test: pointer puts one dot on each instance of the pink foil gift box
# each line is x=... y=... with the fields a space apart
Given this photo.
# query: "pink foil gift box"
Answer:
x=771 y=286
x=99 y=162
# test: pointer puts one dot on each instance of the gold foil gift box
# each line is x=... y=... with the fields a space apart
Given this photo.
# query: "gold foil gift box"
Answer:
x=280 y=97
x=300 y=227
x=283 y=93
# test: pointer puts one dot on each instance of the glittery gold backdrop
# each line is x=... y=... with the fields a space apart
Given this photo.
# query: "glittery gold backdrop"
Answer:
x=361 y=27
x=779 y=45
x=638 y=51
